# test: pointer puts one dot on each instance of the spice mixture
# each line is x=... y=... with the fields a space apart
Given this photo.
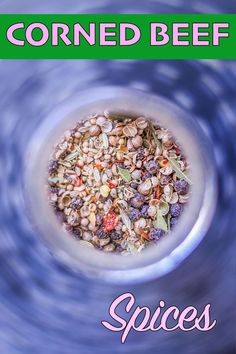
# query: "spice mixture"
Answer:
x=118 y=183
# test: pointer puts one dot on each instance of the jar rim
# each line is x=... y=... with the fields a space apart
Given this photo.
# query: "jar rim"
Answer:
x=152 y=262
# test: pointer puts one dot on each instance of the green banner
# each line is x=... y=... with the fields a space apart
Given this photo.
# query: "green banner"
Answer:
x=117 y=36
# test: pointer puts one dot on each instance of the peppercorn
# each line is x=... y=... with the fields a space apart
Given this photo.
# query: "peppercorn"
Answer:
x=137 y=201
x=181 y=187
x=101 y=233
x=144 y=211
x=115 y=235
x=134 y=214
x=76 y=203
x=156 y=234
x=151 y=166
x=140 y=154
x=77 y=233
x=53 y=166
x=176 y=209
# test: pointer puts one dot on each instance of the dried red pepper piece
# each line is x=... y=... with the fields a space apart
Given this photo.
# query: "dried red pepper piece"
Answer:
x=158 y=192
x=111 y=185
x=110 y=221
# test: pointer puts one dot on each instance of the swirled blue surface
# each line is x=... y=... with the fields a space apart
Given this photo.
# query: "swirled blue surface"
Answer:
x=45 y=307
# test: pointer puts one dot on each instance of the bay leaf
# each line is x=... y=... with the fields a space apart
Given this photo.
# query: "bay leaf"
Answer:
x=160 y=223
x=125 y=174
x=180 y=174
x=164 y=208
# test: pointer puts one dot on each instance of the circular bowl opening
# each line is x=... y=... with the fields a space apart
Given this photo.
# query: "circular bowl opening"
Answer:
x=153 y=261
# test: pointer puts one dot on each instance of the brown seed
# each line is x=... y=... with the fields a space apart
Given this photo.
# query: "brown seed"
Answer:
x=130 y=130
x=113 y=140
x=94 y=130
x=137 y=141
x=141 y=123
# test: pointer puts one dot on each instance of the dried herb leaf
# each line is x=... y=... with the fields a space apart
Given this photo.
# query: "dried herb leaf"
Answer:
x=105 y=141
x=131 y=249
x=160 y=222
x=180 y=174
x=125 y=174
x=56 y=179
x=164 y=208
x=126 y=221
x=72 y=156
x=168 y=222
x=155 y=138
x=96 y=174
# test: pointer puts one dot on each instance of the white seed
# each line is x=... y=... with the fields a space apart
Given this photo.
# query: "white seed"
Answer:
x=91 y=227
x=154 y=202
x=54 y=197
x=93 y=121
x=84 y=211
x=107 y=157
x=92 y=207
x=130 y=145
x=87 y=236
x=108 y=173
x=104 y=178
x=136 y=174
x=137 y=141
x=104 y=241
x=104 y=190
x=139 y=224
x=121 y=141
x=65 y=200
x=174 y=199
x=154 y=181
x=94 y=130
x=141 y=123
x=166 y=171
x=84 y=222
x=139 y=164
x=118 y=226
x=152 y=211
x=127 y=162
x=109 y=248
x=119 y=155
x=101 y=120
x=114 y=170
x=140 y=131
x=130 y=130
x=145 y=188
x=86 y=244
x=158 y=151
x=183 y=198
x=78 y=135
x=70 y=187
x=113 y=193
x=168 y=190
x=113 y=140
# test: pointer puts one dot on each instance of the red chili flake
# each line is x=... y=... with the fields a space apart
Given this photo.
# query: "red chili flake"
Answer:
x=158 y=192
x=178 y=151
x=78 y=182
x=110 y=221
x=111 y=185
